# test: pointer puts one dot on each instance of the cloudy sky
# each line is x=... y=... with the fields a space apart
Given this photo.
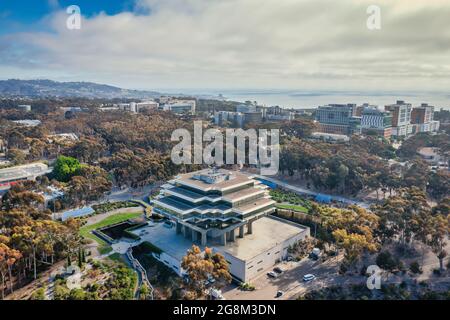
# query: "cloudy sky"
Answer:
x=198 y=44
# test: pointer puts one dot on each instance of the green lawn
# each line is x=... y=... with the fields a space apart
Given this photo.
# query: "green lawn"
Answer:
x=85 y=231
x=292 y=207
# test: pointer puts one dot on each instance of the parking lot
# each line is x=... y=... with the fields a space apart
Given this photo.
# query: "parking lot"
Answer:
x=290 y=281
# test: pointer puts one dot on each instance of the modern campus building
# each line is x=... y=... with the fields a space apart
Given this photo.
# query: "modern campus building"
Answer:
x=138 y=106
x=246 y=108
x=24 y=107
x=401 y=118
x=27 y=123
x=422 y=119
x=227 y=118
x=330 y=137
x=12 y=175
x=251 y=113
x=373 y=119
x=338 y=119
x=180 y=107
x=225 y=210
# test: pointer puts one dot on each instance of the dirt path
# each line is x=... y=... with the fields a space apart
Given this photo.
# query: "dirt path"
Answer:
x=25 y=292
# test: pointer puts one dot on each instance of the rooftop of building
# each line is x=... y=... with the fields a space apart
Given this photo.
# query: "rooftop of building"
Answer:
x=428 y=151
x=332 y=136
x=424 y=106
x=399 y=103
x=268 y=232
x=210 y=179
x=28 y=123
x=24 y=171
x=337 y=105
x=255 y=205
x=197 y=197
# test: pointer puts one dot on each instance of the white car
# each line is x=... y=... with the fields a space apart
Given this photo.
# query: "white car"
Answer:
x=272 y=274
x=308 y=277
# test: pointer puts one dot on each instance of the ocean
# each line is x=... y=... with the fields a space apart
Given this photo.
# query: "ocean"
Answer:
x=311 y=99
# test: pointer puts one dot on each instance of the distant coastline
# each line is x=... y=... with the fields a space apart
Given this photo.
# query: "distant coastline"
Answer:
x=312 y=99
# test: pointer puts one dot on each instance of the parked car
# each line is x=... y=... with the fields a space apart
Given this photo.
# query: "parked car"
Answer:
x=279 y=293
x=308 y=277
x=315 y=254
x=272 y=274
x=216 y=294
x=278 y=270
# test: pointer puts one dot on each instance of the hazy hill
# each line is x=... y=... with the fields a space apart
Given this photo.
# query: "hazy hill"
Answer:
x=49 y=88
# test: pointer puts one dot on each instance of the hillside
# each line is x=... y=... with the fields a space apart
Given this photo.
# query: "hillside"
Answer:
x=48 y=88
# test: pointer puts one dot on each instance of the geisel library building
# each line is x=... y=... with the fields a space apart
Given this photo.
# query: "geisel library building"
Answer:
x=229 y=212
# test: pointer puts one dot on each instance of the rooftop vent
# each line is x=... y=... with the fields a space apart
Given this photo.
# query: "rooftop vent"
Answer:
x=214 y=176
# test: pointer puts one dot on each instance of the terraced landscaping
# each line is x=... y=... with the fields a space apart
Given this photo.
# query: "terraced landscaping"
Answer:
x=86 y=231
x=292 y=207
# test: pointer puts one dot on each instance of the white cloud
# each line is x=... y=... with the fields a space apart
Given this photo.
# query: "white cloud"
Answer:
x=318 y=44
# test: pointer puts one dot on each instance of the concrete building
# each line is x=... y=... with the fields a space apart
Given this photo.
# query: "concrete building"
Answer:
x=430 y=155
x=330 y=137
x=338 y=119
x=253 y=117
x=401 y=118
x=180 y=106
x=136 y=107
x=13 y=175
x=225 y=118
x=24 y=107
x=263 y=111
x=422 y=114
x=286 y=116
x=422 y=119
x=246 y=108
x=146 y=105
x=28 y=123
x=62 y=138
x=268 y=244
x=276 y=113
x=376 y=120
x=225 y=210
x=432 y=126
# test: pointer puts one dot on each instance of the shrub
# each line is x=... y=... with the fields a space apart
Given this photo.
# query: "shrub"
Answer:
x=109 y=206
x=39 y=294
x=363 y=270
x=415 y=267
x=403 y=285
x=386 y=261
x=65 y=168
x=247 y=286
